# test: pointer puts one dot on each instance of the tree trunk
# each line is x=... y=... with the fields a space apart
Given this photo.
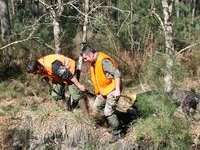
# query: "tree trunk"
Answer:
x=193 y=10
x=56 y=32
x=177 y=8
x=55 y=13
x=167 y=11
x=60 y=7
x=5 y=20
x=84 y=38
x=13 y=7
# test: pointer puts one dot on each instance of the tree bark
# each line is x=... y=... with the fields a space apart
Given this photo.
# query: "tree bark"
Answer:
x=56 y=32
x=84 y=38
x=5 y=20
x=167 y=11
x=56 y=13
x=193 y=10
x=13 y=7
x=177 y=8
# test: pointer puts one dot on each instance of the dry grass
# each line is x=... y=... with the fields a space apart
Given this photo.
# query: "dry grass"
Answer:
x=131 y=63
x=195 y=132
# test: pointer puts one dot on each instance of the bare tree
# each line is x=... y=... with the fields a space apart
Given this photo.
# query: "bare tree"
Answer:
x=177 y=8
x=5 y=20
x=193 y=10
x=56 y=10
x=84 y=38
x=13 y=6
x=167 y=11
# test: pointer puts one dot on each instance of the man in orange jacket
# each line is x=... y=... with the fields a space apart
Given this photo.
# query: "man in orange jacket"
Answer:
x=105 y=77
x=61 y=71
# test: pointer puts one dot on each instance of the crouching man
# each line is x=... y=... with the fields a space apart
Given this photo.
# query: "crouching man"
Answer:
x=105 y=77
x=61 y=71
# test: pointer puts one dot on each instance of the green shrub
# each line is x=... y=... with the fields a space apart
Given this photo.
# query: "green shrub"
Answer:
x=157 y=124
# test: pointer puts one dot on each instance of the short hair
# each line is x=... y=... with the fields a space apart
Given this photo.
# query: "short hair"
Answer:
x=33 y=66
x=87 y=49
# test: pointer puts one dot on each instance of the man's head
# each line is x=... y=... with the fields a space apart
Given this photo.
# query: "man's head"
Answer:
x=89 y=54
x=33 y=67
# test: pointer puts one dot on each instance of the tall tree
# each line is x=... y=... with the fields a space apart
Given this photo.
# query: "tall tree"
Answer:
x=56 y=9
x=84 y=38
x=5 y=20
x=167 y=11
x=13 y=6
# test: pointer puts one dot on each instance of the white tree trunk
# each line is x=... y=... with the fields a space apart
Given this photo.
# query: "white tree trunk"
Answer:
x=167 y=11
x=56 y=32
x=84 y=38
x=177 y=8
x=55 y=12
x=193 y=10
x=5 y=20
x=13 y=7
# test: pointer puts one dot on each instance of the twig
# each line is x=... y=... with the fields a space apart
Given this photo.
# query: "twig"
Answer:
x=186 y=48
x=115 y=8
x=159 y=19
x=76 y=8
x=34 y=27
x=45 y=44
x=123 y=23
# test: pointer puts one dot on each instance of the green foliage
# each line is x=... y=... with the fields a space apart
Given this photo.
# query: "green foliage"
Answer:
x=154 y=102
x=154 y=71
x=157 y=124
x=186 y=28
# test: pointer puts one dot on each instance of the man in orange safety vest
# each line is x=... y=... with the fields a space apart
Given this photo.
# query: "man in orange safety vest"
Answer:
x=105 y=77
x=61 y=71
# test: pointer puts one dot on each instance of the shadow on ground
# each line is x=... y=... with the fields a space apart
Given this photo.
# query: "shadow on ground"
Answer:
x=127 y=118
x=10 y=71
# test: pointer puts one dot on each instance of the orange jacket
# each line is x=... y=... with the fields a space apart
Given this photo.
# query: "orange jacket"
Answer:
x=102 y=85
x=47 y=61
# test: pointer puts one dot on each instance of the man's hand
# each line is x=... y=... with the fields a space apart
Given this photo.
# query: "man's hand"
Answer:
x=115 y=93
x=82 y=87
x=78 y=84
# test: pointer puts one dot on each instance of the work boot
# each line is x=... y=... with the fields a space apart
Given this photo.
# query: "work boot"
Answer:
x=116 y=136
x=74 y=104
x=114 y=124
x=68 y=103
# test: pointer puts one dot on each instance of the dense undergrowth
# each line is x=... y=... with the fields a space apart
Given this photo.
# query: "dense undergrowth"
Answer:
x=30 y=119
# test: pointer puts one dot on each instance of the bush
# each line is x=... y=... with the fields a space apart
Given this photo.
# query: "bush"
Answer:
x=158 y=127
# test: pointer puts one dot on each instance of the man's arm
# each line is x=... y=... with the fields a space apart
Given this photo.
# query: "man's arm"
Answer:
x=78 y=84
x=117 y=87
x=66 y=75
x=113 y=72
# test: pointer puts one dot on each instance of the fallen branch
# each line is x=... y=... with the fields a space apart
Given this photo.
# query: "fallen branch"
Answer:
x=186 y=48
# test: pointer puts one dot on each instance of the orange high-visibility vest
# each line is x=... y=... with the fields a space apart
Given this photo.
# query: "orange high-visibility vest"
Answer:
x=102 y=85
x=47 y=61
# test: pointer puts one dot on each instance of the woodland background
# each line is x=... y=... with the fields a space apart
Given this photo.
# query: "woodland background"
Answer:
x=156 y=43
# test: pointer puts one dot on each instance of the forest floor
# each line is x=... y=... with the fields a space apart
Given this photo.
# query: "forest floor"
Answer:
x=30 y=119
